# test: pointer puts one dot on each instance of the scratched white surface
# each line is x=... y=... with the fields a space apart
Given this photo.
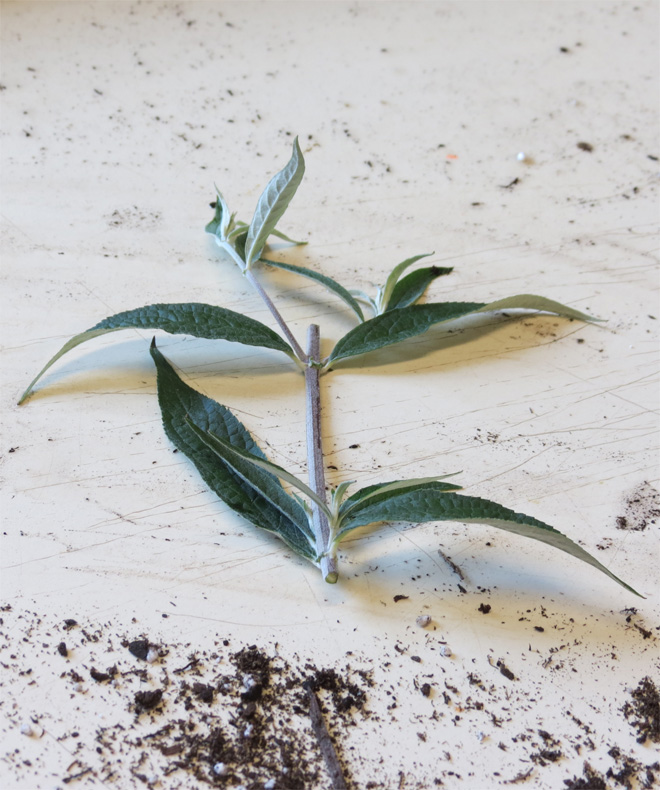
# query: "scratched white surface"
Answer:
x=118 y=119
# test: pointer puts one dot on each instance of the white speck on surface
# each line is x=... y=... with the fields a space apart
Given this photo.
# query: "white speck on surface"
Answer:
x=152 y=655
x=220 y=769
x=481 y=736
x=445 y=651
x=423 y=620
x=27 y=729
x=248 y=731
x=269 y=785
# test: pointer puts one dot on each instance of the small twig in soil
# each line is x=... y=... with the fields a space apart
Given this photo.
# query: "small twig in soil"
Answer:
x=192 y=663
x=452 y=565
x=521 y=777
x=73 y=777
x=326 y=746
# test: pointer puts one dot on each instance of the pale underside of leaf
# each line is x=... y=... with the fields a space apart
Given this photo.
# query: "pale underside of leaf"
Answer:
x=187 y=318
x=328 y=282
x=400 y=324
x=243 y=464
x=180 y=404
x=428 y=503
x=273 y=203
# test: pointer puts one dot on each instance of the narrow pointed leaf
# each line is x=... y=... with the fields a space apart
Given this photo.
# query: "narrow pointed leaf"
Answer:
x=252 y=468
x=338 y=494
x=394 y=276
x=413 y=286
x=398 y=325
x=394 y=489
x=187 y=318
x=273 y=203
x=328 y=282
x=284 y=237
x=220 y=223
x=430 y=503
x=181 y=404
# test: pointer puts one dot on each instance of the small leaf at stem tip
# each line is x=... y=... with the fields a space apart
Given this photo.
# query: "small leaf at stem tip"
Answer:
x=185 y=318
x=393 y=278
x=284 y=237
x=273 y=203
x=220 y=223
x=412 y=287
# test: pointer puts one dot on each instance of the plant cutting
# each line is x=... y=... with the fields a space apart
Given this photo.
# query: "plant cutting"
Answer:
x=227 y=456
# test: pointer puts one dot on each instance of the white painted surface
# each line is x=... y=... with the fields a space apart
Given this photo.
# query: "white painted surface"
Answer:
x=118 y=119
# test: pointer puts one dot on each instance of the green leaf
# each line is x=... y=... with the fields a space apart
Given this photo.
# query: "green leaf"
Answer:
x=243 y=463
x=393 y=489
x=430 y=503
x=273 y=203
x=284 y=237
x=220 y=223
x=187 y=318
x=403 y=323
x=393 y=278
x=180 y=405
x=413 y=286
x=328 y=282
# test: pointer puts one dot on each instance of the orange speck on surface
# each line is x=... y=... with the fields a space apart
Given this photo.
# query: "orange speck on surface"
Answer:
x=452 y=156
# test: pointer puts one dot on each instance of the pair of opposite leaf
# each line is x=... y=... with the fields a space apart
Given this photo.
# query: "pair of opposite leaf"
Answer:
x=224 y=452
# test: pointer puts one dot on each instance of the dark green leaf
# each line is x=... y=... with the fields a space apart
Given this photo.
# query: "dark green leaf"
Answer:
x=397 y=325
x=392 y=489
x=273 y=203
x=187 y=318
x=430 y=503
x=413 y=286
x=284 y=237
x=328 y=282
x=385 y=293
x=181 y=404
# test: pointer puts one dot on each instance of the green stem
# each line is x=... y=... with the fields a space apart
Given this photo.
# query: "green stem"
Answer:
x=316 y=472
x=277 y=316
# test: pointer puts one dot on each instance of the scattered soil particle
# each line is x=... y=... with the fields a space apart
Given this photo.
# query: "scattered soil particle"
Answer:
x=630 y=773
x=203 y=692
x=590 y=780
x=425 y=688
x=147 y=700
x=70 y=623
x=643 y=713
x=398 y=598
x=583 y=146
x=504 y=670
x=642 y=508
x=139 y=648
x=99 y=677
x=62 y=649
x=484 y=608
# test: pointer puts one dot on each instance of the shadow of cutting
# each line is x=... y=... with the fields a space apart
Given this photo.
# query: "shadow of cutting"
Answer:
x=127 y=366
x=537 y=330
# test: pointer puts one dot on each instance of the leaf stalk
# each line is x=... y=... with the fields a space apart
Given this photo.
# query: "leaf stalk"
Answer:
x=295 y=345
